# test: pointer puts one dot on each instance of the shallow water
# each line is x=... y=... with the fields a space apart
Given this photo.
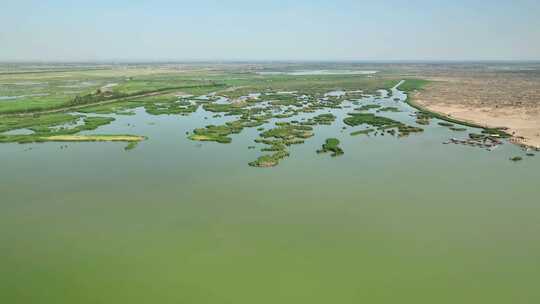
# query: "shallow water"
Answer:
x=321 y=72
x=405 y=220
x=22 y=131
x=2 y=98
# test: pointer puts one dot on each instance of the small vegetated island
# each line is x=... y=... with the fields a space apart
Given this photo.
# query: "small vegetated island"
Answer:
x=331 y=145
x=285 y=109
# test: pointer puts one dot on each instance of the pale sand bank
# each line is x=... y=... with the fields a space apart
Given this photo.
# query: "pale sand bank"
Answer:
x=510 y=100
x=524 y=125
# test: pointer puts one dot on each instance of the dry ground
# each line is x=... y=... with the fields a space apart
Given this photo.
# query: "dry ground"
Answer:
x=494 y=98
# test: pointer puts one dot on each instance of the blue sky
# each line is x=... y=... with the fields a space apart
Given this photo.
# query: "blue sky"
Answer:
x=269 y=30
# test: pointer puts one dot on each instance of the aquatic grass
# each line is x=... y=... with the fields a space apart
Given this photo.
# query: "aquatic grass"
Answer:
x=380 y=122
x=361 y=132
x=331 y=145
x=388 y=109
x=368 y=107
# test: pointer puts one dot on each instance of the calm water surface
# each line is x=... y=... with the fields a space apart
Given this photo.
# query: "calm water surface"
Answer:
x=405 y=220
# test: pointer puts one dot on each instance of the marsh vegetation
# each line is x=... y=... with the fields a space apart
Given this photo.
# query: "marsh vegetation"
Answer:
x=284 y=108
x=331 y=145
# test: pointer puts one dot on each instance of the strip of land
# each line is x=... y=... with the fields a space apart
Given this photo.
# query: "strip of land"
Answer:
x=82 y=138
x=73 y=108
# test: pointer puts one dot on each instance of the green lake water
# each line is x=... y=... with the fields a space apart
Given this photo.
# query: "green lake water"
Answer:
x=393 y=220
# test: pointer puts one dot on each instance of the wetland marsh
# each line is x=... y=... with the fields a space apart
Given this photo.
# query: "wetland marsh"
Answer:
x=216 y=193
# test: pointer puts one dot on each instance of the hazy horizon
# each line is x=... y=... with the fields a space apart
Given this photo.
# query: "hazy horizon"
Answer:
x=262 y=61
x=243 y=31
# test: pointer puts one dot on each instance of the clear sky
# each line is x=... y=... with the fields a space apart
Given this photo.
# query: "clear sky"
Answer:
x=131 y=30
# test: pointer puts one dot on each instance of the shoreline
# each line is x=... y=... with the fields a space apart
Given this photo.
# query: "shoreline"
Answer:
x=514 y=123
x=444 y=116
x=514 y=136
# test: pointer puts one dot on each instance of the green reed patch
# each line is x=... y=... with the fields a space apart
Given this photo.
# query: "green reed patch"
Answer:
x=331 y=145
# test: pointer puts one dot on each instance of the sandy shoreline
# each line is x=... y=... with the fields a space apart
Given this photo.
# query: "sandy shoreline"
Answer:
x=524 y=128
x=473 y=100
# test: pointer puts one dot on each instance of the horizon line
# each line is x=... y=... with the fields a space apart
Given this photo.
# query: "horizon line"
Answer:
x=222 y=61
